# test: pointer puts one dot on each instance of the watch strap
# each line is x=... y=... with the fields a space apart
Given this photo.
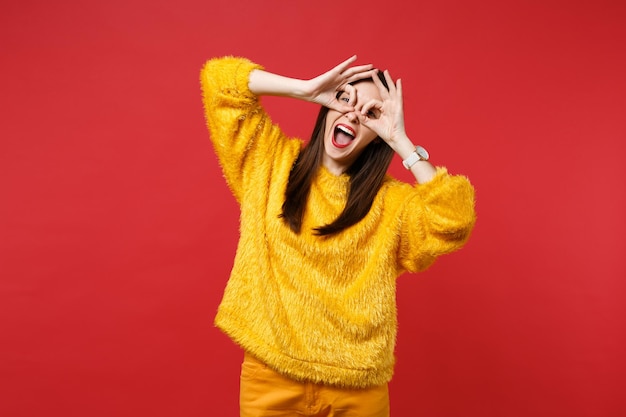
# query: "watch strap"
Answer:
x=411 y=160
x=419 y=154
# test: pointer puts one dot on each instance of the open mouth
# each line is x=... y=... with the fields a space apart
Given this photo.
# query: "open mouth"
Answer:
x=343 y=136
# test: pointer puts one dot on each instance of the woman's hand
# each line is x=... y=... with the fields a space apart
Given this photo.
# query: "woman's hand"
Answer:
x=323 y=89
x=385 y=116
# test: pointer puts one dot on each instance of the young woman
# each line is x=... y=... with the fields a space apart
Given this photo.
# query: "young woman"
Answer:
x=324 y=234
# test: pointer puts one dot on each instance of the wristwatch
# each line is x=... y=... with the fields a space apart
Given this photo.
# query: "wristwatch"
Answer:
x=420 y=154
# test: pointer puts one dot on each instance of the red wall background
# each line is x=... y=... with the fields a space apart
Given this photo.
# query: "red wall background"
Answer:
x=117 y=231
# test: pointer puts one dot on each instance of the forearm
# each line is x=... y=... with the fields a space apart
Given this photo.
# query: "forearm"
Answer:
x=423 y=171
x=263 y=83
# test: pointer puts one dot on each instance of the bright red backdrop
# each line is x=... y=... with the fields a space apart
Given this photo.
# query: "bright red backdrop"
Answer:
x=117 y=231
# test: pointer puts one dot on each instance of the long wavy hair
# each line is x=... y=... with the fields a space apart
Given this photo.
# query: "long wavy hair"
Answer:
x=366 y=173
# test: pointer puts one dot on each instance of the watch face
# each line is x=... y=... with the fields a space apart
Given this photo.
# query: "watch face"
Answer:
x=423 y=153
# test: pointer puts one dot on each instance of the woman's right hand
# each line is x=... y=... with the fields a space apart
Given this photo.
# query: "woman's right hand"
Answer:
x=323 y=89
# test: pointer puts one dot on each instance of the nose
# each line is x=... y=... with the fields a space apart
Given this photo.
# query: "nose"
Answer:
x=352 y=117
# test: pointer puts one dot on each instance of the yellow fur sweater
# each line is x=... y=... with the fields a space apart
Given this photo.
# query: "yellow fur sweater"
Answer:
x=318 y=309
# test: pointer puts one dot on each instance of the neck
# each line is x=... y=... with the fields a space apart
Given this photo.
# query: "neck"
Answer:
x=333 y=167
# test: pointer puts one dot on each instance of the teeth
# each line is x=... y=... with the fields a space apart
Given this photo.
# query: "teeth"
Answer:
x=345 y=130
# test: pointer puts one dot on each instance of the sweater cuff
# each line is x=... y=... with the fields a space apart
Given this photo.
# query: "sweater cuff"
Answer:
x=440 y=177
x=228 y=75
x=242 y=75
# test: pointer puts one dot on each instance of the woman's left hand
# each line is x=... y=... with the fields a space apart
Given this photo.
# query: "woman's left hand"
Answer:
x=385 y=116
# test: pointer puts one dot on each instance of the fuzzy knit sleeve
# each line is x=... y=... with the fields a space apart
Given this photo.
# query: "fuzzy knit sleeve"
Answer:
x=243 y=136
x=437 y=218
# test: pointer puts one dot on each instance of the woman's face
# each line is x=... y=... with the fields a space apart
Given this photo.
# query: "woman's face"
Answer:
x=344 y=137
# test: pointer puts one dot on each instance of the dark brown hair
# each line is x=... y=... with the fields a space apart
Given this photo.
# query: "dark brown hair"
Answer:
x=367 y=174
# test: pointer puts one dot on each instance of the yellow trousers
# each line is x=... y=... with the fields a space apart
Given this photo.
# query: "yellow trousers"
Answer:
x=266 y=393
